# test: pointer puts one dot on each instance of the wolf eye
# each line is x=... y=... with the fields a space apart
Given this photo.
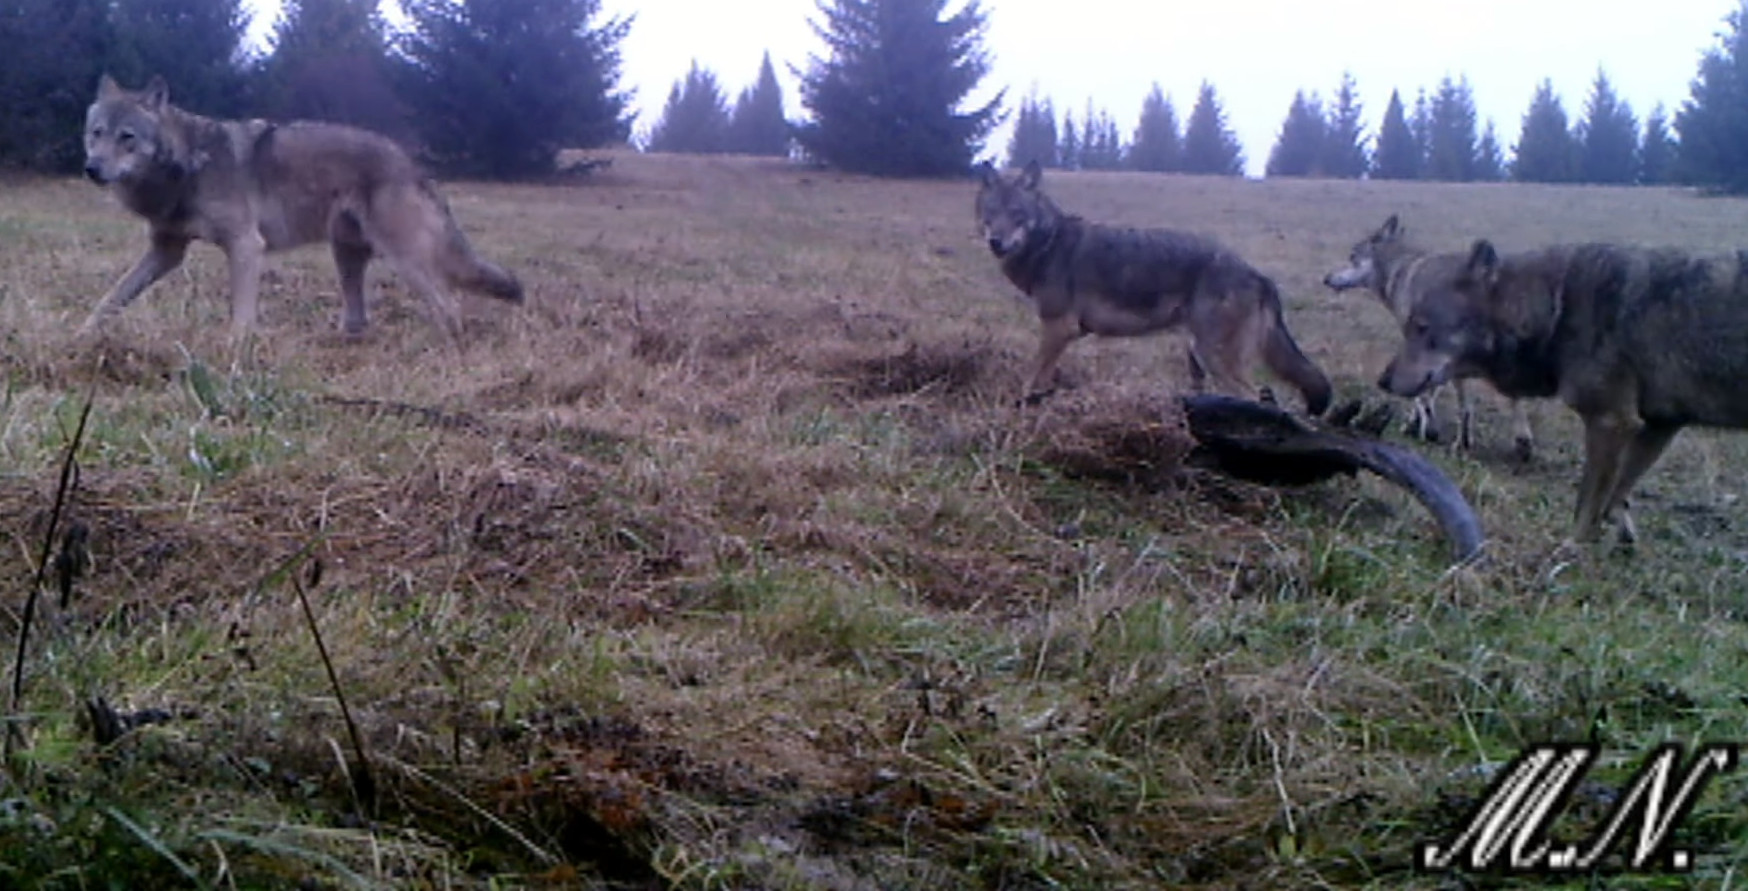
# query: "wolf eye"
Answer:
x=97 y=132
x=125 y=138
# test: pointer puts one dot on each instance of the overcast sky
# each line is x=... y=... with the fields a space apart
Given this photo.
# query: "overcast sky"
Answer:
x=1255 y=52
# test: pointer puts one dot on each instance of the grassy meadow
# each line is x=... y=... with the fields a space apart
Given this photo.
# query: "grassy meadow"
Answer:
x=729 y=562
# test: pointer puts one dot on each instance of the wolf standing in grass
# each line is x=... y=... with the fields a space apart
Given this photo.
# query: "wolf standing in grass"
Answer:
x=1398 y=274
x=1639 y=342
x=1086 y=278
x=252 y=187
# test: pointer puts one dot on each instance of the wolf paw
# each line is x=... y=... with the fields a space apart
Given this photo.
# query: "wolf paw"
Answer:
x=1375 y=421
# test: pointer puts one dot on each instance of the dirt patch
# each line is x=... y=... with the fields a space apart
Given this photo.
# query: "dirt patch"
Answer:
x=949 y=370
x=1133 y=442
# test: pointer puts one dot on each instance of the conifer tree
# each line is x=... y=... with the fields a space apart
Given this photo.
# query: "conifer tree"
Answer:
x=494 y=96
x=1712 y=125
x=757 y=125
x=1210 y=147
x=1398 y=155
x=1657 y=150
x=1546 y=151
x=888 y=96
x=1157 y=146
x=1034 y=136
x=695 y=118
x=1608 y=137
x=1344 y=139
x=1301 y=146
x=1450 y=133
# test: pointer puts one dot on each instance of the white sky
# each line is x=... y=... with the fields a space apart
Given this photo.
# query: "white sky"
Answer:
x=1255 y=52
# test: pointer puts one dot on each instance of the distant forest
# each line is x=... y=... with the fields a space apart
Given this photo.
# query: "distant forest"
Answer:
x=478 y=94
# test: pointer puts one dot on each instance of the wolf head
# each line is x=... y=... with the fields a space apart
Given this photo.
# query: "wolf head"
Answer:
x=1361 y=270
x=1447 y=333
x=125 y=137
x=1012 y=210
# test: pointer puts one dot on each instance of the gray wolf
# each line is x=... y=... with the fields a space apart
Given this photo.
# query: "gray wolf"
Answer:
x=252 y=187
x=1085 y=278
x=1387 y=265
x=1640 y=342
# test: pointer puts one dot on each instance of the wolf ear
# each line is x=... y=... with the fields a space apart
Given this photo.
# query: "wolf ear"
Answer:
x=1391 y=229
x=1030 y=176
x=1484 y=262
x=156 y=94
x=986 y=173
x=107 y=88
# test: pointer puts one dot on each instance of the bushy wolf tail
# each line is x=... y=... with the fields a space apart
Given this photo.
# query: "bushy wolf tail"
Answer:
x=1283 y=357
x=465 y=268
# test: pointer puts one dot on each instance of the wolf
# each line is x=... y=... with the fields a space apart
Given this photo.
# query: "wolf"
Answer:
x=1387 y=265
x=1086 y=278
x=1639 y=342
x=252 y=187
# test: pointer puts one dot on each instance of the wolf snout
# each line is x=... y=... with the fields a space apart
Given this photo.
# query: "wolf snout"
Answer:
x=1392 y=381
x=94 y=173
x=996 y=247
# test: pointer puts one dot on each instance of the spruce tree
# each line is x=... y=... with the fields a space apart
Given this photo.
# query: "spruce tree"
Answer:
x=1657 y=150
x=1156 y=147
x=1034 y=136
x=757 y=125
x=1712 y=125
x=1209 y=145
x=330 y=62
x=1608 y=137
x=695 y=118
x=1398 y=155
x=888 y=96
x=54 y=52
x=1450 y=133
x=1344 y=139
x=1546 y=151
x=1420 y=124
x=195 y=45
x=496 y=96
x=1489 y=157
x=1302 y=144
x=1101 y=143
x=1068 y=148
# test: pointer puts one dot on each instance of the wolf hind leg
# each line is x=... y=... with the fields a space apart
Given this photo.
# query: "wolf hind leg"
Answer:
x=1642 y=452
x=352 y=254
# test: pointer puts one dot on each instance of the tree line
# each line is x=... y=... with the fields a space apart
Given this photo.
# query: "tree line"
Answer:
x=1442 y=139
x=481 y=92
x=468 y=81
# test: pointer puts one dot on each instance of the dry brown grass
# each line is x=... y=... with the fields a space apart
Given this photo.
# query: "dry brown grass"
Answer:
x=727 y=561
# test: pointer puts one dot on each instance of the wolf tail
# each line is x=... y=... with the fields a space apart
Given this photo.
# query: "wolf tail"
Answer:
x=1282 y=355
x=467 y=269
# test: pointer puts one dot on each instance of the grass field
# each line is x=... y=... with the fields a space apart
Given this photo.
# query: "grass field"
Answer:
x=729 y=562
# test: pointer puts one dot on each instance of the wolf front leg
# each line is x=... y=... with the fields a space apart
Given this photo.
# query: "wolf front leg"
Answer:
x=1523 y=435
x=1054 y=336
x=1607 y=438
x=245 y=253
x=163 y=254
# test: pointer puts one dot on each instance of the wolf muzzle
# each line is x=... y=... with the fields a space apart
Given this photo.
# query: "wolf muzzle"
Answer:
x=1393 y=380
x=94 y=173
